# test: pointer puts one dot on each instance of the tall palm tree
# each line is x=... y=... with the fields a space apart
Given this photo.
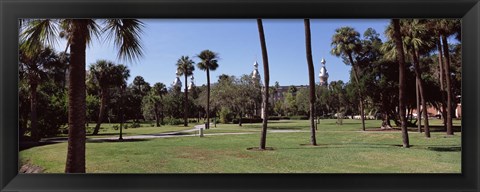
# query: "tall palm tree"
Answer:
x=414 y=41
x=185 y=67
x=266 y=73
x=107 y=75
x=159 y=90
x=32 y=66
x=446 y=28
x=209 y=63
x=78 y=32
x=311 y=79
x=346 y=42
x=397 y=37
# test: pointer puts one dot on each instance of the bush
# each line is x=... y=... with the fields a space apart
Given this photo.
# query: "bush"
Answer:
x=248 y=120
x=135 y=125
x=298 y=117
x=116 y=127
x=278 y=118
x=172 y=121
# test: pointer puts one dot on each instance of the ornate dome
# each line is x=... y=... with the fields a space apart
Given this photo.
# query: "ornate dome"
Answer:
x=323 y=73
x=255 y=73
x=192 y=84
x=177 y=82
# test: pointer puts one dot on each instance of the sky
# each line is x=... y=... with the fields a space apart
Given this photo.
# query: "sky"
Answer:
x=237 y=42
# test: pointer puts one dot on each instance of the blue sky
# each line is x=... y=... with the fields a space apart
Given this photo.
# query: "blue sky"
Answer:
x=237 y=42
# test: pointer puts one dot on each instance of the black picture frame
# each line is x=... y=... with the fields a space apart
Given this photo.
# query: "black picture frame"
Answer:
x=12 y=10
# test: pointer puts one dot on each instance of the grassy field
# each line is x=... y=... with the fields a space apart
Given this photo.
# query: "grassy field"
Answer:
x=342 y=149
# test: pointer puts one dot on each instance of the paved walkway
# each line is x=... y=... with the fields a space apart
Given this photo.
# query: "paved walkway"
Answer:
x=188 y=133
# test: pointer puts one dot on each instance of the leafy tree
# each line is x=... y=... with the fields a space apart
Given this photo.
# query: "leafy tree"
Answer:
x=140 y=88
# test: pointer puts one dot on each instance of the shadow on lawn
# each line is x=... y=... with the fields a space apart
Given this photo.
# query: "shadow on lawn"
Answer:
x=115 y=140
x=439 y=148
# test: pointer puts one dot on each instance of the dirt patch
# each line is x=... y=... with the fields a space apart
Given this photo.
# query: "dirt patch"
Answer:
x=30 y=168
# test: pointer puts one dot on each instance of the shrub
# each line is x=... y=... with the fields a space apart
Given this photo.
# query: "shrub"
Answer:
x=248 y=120
x=298 y=117
x=135 y=125
x=116 y=127
x=172 y=121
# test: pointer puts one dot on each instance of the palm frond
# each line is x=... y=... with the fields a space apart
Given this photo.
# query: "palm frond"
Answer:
x=126 y=37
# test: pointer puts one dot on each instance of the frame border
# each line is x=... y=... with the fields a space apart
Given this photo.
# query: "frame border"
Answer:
x=11 y=10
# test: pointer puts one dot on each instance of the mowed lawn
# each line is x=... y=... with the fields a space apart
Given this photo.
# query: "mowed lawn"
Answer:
x=342 y=149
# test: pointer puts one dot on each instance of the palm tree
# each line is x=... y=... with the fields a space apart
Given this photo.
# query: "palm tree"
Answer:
x=31 y=65
x=311 y=78
x=414 y=42
x=185 y=67
x=78 y=32
x=397 y=37
x=107 y=75
x=447 y=27
x=346 y=42
x=266 y=73
x=209 y=63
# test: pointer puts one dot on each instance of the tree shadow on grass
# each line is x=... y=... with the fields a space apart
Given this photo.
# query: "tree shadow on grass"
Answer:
x=170 y=134
x=445 y=149
x=115 y=140
x=30 y=144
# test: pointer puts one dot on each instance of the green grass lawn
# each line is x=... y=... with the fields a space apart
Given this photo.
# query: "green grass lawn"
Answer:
x=342 y=149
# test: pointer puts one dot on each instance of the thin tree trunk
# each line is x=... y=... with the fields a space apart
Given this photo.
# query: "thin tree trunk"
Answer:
x=122 y=118
x=311 y=79
x=185 y=113
x=157 y=115
x=355 y=74
x=33 y=110
x=441 y=80
x=207 y=126
x=101 y=113
x=401 y=79
x=263 y=138
x=449 y=87
x=75 y=162
x=419 y=117
x=422 y=93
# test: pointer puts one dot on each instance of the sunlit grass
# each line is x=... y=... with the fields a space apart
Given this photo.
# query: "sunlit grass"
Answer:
x=341 y=149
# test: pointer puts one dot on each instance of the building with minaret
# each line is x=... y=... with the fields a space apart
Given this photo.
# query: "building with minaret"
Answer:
x=255 y=74
x=323 y=74
x=192 y=84
x=177 y=82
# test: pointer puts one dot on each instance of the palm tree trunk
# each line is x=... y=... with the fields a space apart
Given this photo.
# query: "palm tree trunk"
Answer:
x=426 y=125
x=442 y=79
x=75 y=162
x=33 y=110
x=266 y=73
x=419 y=117
x=401 y=79
x=355 y=74
x=449 y=85
x=101 y=113
x=185 y=111
x=311 y=79
x=207 y=126
x=418 y=76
